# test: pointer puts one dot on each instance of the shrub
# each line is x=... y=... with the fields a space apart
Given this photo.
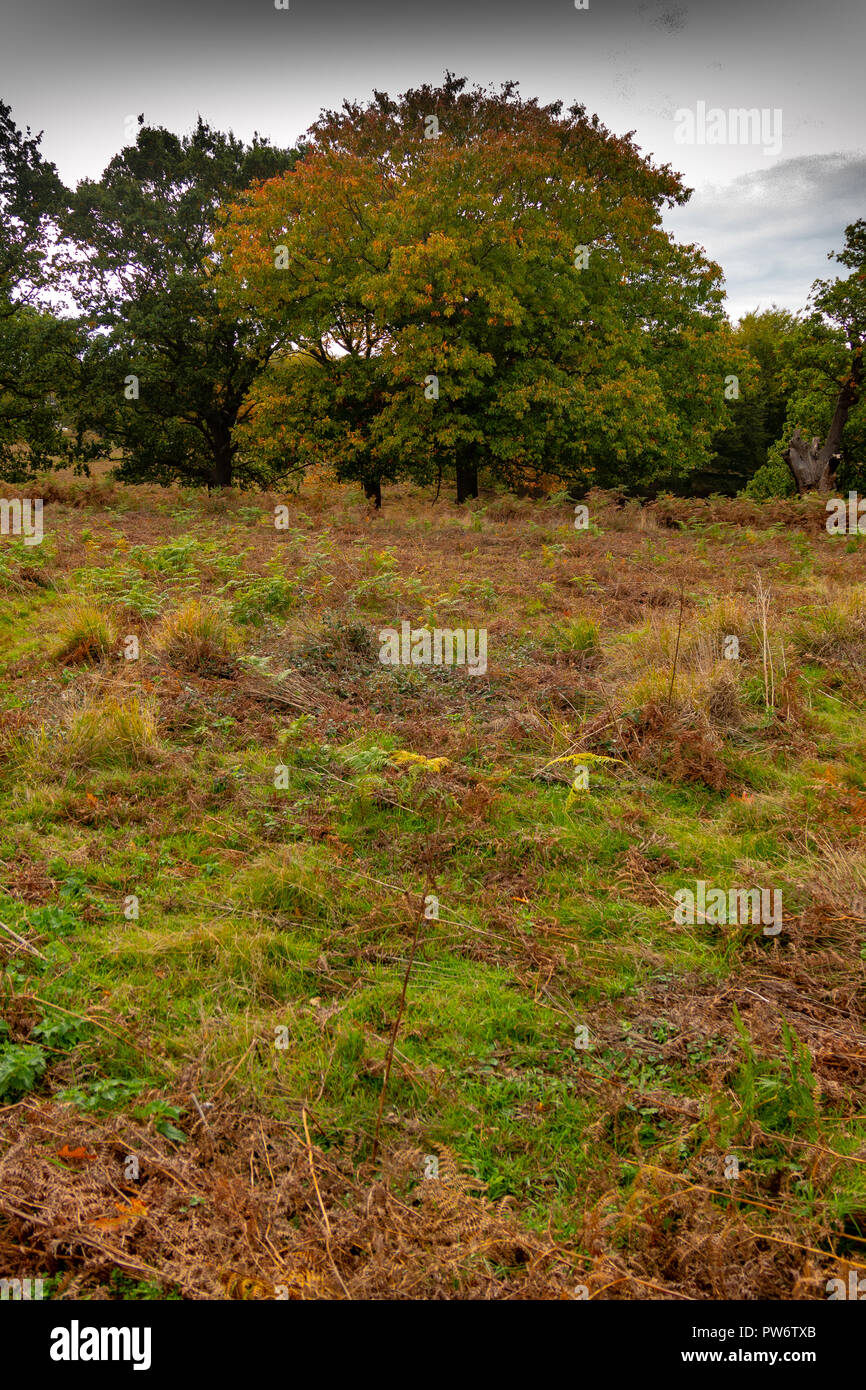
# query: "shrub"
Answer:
x=113 y=732
x=341 y=642
x=722 y=699
x=835 y=628
x=577 y=638
x=778 y=1095
x=21 y=1065
x=773 y=479
x=198 y=637
x=86 y=633
x=291 y=883
x=268 y=595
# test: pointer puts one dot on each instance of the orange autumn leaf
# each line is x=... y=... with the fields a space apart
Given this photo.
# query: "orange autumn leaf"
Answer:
x=129 y=1211
x=78 y=1155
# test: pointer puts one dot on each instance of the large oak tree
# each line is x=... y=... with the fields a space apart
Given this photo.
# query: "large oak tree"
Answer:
x=469 y=278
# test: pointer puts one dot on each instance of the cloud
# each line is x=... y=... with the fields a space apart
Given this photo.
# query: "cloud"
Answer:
x=771 y=230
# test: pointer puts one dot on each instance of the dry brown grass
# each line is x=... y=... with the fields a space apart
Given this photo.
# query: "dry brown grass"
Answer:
x=251 y=1209
x=199 y=637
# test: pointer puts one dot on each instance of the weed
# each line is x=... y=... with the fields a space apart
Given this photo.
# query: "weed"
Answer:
x=21 y=1066
x=112 y=732
x=86 y=633
x=198 y=637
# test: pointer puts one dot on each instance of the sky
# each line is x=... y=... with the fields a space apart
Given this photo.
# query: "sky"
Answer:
x=768 y=204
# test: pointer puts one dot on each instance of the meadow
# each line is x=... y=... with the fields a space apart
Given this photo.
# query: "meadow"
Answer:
x=326 y=978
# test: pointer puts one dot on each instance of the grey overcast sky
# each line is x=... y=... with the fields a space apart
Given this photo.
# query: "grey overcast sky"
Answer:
x=767 y=211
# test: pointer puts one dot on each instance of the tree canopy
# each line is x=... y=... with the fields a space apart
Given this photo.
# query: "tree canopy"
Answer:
x=453 y=280
x=174 y=368
x=38 y=362
x=821 y=380
x=467 y=277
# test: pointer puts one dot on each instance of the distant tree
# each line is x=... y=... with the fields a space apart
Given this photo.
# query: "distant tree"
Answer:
x=754 y=407
x=169 y=370
x=473 y=280
x=38 y=350
x=827 y=399
x=42 y=375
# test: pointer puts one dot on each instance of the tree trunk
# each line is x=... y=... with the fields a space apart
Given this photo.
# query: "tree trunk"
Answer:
x=467 y=480
x=814 y=464
x=223 y=463
x=373 y=490
x=813 y=467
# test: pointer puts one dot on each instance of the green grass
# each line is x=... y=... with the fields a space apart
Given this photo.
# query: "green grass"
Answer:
x=285 y=913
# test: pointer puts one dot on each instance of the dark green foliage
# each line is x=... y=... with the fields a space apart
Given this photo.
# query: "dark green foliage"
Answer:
x=141 y=271
x=21 y=1065
x=39 y=364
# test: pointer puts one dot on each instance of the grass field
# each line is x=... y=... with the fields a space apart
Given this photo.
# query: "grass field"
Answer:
x=216 y=864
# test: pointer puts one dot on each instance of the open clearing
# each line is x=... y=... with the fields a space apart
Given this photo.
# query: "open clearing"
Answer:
x=202 y=970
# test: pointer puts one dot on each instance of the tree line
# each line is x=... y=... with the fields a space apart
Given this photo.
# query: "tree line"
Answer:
x=452 y=283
